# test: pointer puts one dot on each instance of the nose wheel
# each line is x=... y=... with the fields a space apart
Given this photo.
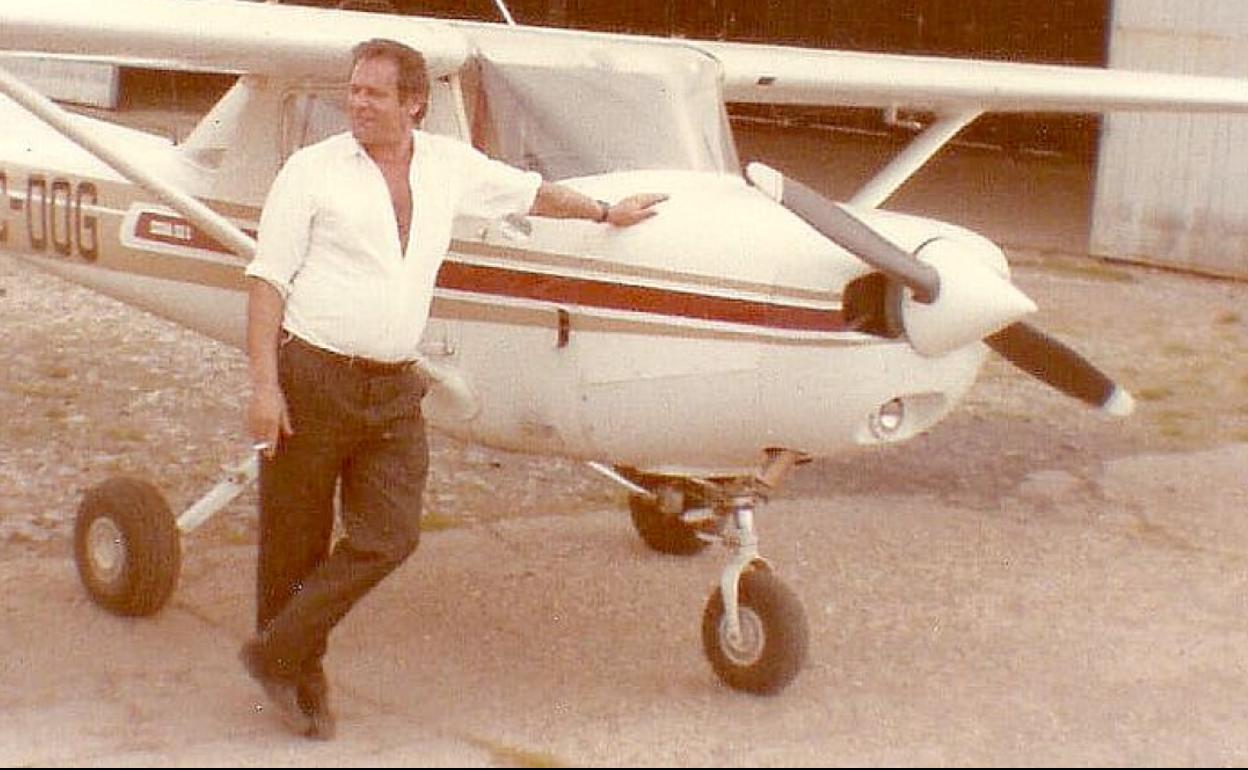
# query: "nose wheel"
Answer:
x=765 y=648
x=754 y=630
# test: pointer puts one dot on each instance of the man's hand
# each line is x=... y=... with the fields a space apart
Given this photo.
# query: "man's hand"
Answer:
x=634 y=209
x=268 y=422
x=560 y=202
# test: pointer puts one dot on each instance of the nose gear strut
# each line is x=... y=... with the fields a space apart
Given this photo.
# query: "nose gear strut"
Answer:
x=754 y=630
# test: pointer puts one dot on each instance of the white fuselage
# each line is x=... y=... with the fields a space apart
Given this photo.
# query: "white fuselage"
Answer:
x=691 y=344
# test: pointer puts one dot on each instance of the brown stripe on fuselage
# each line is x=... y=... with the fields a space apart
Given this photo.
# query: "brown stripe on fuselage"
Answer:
x=608 y=295
x=602 y=294
x=545 y=280
x=97 y=211
x=574 y=263
x=482 y=310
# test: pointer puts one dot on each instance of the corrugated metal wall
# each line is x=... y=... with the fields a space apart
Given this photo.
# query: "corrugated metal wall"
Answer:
x=1173 y=190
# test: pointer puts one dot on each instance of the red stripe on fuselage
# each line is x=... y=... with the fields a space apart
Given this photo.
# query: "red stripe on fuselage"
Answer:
x=560 y=289
x=608 y=295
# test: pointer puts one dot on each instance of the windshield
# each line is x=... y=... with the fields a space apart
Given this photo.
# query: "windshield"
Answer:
x=612 y=112
x=599 y=109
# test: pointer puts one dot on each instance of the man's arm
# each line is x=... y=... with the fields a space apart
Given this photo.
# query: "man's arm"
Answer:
x=281 y=247
x=267 y=418
x=560 y=202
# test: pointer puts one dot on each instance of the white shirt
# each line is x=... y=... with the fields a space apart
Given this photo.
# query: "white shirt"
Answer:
x=329 y=241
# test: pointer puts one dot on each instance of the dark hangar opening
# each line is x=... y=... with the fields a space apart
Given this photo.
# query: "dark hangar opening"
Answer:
x=1058 y=32
x=1071 y=32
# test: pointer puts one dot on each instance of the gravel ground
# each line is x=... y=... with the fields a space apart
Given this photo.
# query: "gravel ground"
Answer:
x=1031 y=583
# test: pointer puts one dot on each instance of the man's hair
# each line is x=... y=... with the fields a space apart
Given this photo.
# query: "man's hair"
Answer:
x=413 y=74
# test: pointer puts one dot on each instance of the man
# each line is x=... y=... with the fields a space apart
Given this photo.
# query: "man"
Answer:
x=351 y=238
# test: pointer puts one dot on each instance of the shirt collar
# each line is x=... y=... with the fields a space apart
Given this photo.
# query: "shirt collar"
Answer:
x=353 y=148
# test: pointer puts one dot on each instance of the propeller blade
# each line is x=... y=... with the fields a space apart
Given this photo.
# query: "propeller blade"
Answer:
x=847 y=231
x=1031 y=350
x=1052 y=362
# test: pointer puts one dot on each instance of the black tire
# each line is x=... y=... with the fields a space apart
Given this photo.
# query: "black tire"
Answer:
x=127 y=547
x=774 y=635
x=663 y=532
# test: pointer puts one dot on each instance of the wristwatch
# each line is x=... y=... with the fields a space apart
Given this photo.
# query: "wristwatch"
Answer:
x=604 y=211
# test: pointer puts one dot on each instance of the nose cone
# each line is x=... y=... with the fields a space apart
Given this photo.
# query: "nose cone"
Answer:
x=975 y=299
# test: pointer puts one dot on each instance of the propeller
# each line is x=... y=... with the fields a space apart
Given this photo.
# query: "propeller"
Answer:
x=953 y=299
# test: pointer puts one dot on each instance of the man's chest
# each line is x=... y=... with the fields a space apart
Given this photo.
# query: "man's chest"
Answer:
x=366 y=205
x=398 y=185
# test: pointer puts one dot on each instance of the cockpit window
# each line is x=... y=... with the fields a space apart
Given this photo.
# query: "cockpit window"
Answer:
x=311 y=115
x=571 y=121
x=316 y=112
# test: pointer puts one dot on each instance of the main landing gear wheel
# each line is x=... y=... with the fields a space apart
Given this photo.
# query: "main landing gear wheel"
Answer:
x=127 y=547
x=770 y=648
x=662 y=531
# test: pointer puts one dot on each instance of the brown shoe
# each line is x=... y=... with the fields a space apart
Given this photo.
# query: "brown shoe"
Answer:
x=282 y=692
x=314 y=701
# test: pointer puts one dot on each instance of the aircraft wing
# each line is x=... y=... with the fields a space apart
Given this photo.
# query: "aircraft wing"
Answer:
x=301 y=41
x=767 y=74
x=218 y=35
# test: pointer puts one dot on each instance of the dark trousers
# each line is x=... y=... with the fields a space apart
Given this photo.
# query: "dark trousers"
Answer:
x=359 y=430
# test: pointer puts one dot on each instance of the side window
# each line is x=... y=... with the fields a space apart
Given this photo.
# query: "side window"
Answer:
x=312 y=114
x=444 y=115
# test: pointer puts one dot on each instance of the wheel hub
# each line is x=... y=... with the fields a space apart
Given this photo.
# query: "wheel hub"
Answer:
x=747 y=648
x=106 y=549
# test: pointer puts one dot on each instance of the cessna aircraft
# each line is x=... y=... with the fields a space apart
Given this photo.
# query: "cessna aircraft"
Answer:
x=695 y=359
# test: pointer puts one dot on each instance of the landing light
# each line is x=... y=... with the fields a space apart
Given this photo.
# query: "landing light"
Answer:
x=888 y=418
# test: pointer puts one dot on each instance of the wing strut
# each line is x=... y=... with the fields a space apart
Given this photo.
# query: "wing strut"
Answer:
x=507 y=17
x=209 y=221
x=910 y=160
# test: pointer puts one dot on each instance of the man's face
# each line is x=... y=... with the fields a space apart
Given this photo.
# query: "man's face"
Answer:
x=378 y=116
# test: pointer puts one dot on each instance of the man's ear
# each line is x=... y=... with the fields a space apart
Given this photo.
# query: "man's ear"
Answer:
x=418 y=109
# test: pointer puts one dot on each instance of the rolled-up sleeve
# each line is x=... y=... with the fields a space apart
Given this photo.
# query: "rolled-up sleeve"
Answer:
x=493 y=189
x=285 y=227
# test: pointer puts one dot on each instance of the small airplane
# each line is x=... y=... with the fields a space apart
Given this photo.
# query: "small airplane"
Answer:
x=695 y=359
